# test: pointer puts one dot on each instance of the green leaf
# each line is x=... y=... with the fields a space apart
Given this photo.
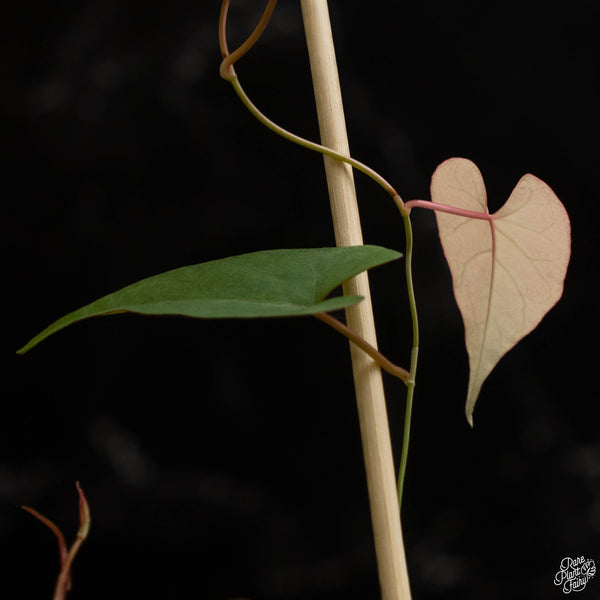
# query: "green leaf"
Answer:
x=272 y=283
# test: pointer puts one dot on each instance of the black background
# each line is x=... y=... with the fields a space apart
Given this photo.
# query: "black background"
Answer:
x=222 y=459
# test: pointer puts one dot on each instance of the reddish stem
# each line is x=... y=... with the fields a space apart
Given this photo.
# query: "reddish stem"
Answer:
x=62 y=545
x=461 y=212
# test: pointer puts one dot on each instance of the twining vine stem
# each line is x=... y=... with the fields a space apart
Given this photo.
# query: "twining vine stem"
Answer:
x=227 y=71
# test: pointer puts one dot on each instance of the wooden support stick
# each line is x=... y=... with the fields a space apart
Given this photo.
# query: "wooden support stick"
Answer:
x=381 y=477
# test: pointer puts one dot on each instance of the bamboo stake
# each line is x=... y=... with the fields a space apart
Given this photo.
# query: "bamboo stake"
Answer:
x=379 y=464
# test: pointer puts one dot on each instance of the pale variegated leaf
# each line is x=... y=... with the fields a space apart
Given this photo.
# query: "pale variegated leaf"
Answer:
x=508 y=269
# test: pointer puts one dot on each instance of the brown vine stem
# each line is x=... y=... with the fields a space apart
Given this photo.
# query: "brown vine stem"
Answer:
x=377 y=451
x=226 y=70
x=387 y=365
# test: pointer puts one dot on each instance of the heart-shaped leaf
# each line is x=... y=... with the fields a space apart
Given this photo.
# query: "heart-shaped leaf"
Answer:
x=508 y=268
x=272 y=283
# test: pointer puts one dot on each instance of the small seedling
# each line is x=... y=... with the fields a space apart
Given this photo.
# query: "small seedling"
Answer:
x=67 y=555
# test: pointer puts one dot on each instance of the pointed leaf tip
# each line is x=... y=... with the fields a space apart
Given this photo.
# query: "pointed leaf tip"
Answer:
x=85 y=518
x=508 y=268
